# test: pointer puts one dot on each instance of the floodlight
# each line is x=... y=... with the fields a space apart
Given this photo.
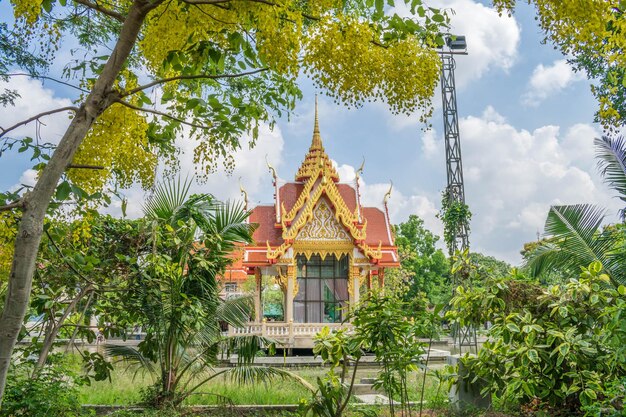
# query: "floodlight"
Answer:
x=456 y=42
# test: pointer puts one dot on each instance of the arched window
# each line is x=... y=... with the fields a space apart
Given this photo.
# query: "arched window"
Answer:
x=322 y=289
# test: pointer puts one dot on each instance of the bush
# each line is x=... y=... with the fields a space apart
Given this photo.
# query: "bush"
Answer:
x=561 y=351
x=53 y=392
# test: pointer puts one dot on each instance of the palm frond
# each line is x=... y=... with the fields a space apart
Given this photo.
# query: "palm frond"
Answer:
x=611 y=155
x=167 y=199
x=546 y=258
x=246 y=374
x=131 y=355
x=247 y=347
x=235 y=311
x=230 y=223
x=574 y=241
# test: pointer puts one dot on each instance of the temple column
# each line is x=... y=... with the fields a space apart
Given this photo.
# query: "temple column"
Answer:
x=258 y=312
x=381 y=278
x=353 y=286
x=291 y=277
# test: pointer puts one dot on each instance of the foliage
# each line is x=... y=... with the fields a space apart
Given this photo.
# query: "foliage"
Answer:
x=611 y=156
x=54 y=391
x=456 y=217
x=83 y=266
x=338 y=349
x=383 y=329
x=591 y=34
x=221 y=69
x=175 y=295
x=575 y=238
x=556 y=347
x=489 y=265
x=611 y=404
x=424 y=267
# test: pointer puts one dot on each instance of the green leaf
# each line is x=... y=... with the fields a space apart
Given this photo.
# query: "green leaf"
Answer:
x=63 y=191
x=513 y=327
x=47 y=5
x=563 y=349
x=533 y=355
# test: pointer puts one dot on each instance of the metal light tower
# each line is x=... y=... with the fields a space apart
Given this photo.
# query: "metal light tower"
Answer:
x=455 y=190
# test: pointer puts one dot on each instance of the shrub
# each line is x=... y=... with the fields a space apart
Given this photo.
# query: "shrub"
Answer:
x=562 y=350
x=52 y=392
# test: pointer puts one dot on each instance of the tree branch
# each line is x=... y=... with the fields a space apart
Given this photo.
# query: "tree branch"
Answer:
x=162 y=114
x=83 y=166
x=206 y=1
x=95 y=6
x=217 y=2
x=190 y=77
x=27 y=121
x=11 y=206
x=43 y=77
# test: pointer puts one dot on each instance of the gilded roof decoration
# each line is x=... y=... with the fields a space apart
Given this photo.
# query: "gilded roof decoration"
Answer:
x=323 y=226
x=316 y=161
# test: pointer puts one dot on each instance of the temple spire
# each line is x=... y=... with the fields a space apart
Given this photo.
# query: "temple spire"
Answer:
x=317 y=138
x=316 y=163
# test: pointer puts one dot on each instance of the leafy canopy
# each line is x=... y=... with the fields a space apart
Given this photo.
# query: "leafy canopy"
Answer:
x=425 y=267
x=218 y=69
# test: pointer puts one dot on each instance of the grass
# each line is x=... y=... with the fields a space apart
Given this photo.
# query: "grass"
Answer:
x=125 y=389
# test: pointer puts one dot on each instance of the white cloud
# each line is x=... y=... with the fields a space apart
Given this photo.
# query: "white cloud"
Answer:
x=513 y=176
x=34 y=99
x=430 y=145
x=547 y=81
x=400 y=206
x=28 y=178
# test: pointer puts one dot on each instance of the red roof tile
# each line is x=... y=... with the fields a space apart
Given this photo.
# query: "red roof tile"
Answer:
x=289 y=193
x=348 y=194
x=377 y=230
x=265 y=217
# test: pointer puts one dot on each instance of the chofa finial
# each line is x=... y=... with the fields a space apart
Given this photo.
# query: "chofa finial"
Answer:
x=359 y=171
x=244 y=193
x=388 y=193
x=271 y=168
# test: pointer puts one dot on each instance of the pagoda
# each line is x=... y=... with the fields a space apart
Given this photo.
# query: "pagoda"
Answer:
x=321 y=246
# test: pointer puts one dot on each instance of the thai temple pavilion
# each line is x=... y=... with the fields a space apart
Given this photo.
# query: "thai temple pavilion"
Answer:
x=321 y=246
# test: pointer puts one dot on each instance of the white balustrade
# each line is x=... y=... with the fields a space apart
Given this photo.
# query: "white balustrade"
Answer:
x=281 y=330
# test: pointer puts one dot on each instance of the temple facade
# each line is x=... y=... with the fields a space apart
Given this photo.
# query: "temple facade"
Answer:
x=319 y=245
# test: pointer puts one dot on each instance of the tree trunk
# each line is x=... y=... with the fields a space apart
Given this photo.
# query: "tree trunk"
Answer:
x=36 y=202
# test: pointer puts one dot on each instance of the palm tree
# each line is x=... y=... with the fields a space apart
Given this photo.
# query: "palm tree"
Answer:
x=611 y=154
x=175 y=295
x=575 y=237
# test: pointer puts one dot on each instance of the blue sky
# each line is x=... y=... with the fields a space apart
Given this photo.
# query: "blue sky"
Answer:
x=525 y=124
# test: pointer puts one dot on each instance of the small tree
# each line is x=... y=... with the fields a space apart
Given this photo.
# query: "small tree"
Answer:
x=175 y=295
